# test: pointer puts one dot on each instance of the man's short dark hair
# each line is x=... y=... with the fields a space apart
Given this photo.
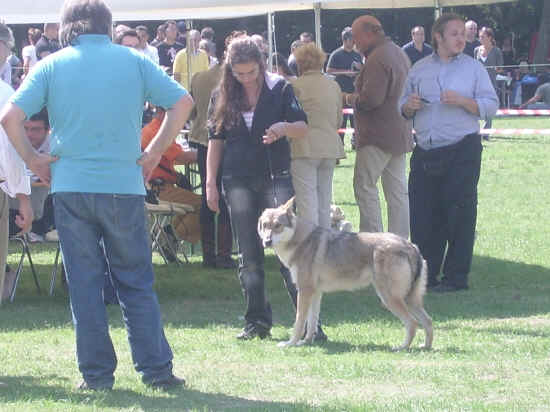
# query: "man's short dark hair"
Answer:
x=36 y=35
x=207 y=33
x=84 y=17
x=161 y=27
x=441 y=23
x=306 y=34
x=126 y=33
x=346 y=34
x=42 y=115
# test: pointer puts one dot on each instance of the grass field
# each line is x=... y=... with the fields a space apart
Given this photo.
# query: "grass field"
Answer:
x=491 y=346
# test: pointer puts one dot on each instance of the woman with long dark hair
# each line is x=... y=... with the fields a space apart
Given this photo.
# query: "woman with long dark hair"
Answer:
x=491 y=57
x=253 y=112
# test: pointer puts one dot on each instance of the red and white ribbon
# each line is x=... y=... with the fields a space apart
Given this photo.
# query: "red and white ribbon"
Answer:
x=515 y=132
x=487 y=132
x=502 y=112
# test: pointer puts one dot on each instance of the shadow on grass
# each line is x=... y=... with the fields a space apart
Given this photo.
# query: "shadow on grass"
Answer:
x=502 y=330
x=28 y=389
x=331 y=347
x=194 y=297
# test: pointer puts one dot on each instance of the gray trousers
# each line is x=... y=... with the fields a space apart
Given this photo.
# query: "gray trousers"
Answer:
x=312 y=181
x=371 y=164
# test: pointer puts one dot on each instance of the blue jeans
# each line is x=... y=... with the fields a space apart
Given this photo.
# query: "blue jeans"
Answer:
x=247 y=197
x=82 y=220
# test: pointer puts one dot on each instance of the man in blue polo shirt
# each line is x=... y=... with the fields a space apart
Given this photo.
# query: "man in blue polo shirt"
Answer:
x=97 y=180
x=417 y=49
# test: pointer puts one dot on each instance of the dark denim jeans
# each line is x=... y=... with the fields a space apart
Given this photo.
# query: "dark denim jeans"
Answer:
x=82 y=220
x=247 y=197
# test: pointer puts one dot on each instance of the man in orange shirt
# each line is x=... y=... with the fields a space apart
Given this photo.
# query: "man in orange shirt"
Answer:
x=186 y=227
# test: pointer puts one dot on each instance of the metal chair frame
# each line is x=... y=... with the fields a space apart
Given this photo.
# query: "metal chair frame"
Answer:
x=25 y=251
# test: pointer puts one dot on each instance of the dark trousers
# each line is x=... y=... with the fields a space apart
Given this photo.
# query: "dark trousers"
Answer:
x=247 y=198
x=345 y=123
x=443 y=207
x=208 y=218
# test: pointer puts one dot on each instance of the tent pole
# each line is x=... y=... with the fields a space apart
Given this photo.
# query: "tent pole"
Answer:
x=189 y=27
x=270 y=19
x=317 y=12
x=438 y=9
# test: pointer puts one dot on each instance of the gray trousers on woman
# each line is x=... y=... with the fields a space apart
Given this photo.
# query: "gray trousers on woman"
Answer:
x=312 y=181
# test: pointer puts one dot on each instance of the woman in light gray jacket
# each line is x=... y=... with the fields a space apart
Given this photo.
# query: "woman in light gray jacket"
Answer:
x=314 y=156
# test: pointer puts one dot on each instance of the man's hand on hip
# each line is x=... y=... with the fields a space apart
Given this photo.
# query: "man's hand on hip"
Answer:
x=39 y=164
x=148 y=161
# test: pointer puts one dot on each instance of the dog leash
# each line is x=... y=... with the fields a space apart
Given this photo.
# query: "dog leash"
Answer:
x=271 y=175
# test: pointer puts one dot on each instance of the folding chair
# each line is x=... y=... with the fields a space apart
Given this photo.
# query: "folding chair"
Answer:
x=161 y=215
x=25 y=251
x=55 y=266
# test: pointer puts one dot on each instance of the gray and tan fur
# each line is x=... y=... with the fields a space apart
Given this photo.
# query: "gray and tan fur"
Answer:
x=326 y=260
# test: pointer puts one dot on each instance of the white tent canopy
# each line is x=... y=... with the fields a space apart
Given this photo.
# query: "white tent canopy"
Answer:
x=33 y=11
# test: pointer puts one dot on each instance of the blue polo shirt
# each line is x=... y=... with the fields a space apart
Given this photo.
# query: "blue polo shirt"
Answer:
x=95 y=92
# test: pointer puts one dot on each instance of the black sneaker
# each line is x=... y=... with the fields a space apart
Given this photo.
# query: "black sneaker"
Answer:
x=209 y=263
x=168 y=383
x=432 y=283
x=85 y=386
x=252 y=331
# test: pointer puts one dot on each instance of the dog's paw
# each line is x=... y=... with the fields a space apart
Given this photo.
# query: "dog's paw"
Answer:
x=286 y=344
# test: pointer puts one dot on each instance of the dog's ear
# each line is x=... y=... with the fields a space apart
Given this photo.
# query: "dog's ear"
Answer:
x=290 y=204
x=290 y=207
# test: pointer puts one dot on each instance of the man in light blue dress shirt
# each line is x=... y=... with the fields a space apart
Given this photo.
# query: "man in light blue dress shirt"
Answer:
x=97 y=180
x=446 y=94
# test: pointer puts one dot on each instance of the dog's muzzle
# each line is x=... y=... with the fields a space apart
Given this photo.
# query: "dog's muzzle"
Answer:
x=268 y=242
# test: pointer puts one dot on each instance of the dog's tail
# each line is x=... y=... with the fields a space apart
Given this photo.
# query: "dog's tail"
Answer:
x=419 y=270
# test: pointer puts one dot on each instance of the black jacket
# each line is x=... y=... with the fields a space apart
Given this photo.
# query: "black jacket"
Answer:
x=244 y=152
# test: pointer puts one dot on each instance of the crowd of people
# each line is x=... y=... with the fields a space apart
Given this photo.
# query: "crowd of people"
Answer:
x=259 y=137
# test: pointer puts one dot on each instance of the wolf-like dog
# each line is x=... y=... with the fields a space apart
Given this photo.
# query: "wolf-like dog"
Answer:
x=326 y=260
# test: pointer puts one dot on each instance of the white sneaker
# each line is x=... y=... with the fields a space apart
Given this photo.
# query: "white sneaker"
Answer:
x=52 y=236
x=34 y=238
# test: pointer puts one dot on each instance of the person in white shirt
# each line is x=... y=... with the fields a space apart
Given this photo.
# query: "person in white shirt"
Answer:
x=29 y=52
x=14 y=181
x=144 y=46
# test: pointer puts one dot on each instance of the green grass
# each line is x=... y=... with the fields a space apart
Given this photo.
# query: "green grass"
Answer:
x=491 y=346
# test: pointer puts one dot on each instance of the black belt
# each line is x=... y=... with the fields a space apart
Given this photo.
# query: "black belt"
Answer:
x=449 y=148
